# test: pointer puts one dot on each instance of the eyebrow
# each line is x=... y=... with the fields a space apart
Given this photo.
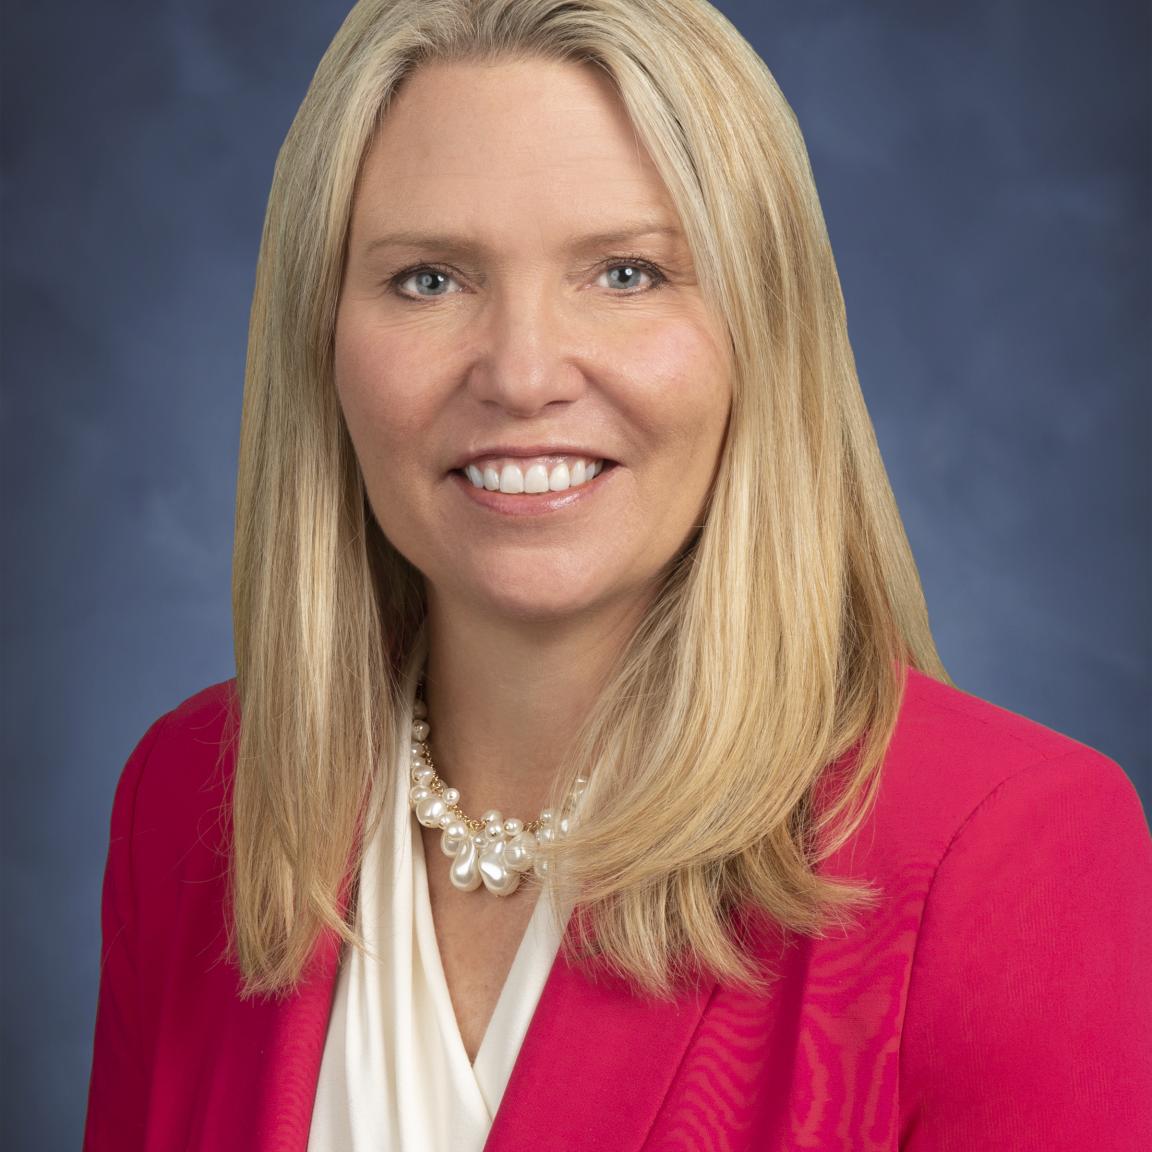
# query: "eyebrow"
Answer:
x=458 y=243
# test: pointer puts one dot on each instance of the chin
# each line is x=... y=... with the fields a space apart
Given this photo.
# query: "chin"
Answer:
x=545 y=598
x=522 y=606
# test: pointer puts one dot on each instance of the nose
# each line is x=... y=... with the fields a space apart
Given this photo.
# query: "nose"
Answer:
x=525 y=360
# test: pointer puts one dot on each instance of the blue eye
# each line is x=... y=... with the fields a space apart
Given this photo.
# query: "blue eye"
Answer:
x=430 y=278
x=427 y=275
x=633 y=268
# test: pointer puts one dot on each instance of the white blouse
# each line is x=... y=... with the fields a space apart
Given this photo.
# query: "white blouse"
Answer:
x=395 y=1074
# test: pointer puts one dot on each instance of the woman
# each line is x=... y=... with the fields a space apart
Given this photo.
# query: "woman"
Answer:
x=558 y=499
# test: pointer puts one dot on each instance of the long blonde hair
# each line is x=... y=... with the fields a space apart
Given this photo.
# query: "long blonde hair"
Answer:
x=775 y=651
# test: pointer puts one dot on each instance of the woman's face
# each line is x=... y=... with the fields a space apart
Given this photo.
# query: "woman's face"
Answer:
x=488 y=325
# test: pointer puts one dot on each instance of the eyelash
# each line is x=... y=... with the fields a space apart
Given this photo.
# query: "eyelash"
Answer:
x=658 y=276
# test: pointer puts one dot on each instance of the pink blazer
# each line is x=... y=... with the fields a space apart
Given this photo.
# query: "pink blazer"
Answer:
x=1000 y=997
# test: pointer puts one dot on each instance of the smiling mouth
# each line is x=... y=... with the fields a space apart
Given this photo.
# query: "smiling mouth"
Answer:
x=533 y=477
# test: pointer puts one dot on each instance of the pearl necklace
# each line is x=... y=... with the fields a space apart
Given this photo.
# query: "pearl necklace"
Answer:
x=491 y=851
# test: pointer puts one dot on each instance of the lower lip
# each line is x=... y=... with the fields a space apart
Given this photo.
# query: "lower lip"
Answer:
x=532 y=503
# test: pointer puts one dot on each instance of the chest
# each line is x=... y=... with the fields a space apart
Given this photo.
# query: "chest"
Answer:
x=478 y=936
x=811 y=1062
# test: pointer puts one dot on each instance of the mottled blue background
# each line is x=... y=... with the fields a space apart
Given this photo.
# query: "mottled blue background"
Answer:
x=985 y=173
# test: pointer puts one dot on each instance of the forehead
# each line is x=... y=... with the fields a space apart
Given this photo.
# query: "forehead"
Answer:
x=542 y=144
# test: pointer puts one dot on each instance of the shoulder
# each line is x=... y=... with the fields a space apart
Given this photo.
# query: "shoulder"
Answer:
x=1033 y=930
x=945 y=724
x=171 y=797
x=953 y=754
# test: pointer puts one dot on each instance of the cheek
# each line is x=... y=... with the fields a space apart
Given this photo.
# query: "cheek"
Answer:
x=681 y=391
x=382 y=413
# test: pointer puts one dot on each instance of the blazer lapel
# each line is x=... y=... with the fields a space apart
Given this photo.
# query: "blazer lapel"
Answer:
x=236 y=1074
x=595 y=1065
x=295 y=1033
x=291 y=1051
x=271 y=1056
x=593 y=1071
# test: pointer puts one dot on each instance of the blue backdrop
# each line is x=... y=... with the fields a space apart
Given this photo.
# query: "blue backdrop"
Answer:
x=985 y=173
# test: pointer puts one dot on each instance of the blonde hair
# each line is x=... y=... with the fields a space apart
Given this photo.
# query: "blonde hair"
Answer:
x=771 y=661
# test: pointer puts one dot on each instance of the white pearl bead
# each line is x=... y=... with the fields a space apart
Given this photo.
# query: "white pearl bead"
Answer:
x=455 y=834
x=420 y=729
x=547 y=816
x=513 y=827
x=417 y=793
x=498 y=878
x=519 y=851
x=451 y=796
x=465 y=871
x=423 y=775
x=429 y=810
x=492 y=816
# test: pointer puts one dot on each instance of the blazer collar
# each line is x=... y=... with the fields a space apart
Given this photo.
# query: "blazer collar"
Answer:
x=596 y=1063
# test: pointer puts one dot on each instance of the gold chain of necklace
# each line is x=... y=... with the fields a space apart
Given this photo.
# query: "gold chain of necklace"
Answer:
x=438 y=785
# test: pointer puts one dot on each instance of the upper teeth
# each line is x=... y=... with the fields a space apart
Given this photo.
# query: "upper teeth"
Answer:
x=534 y=475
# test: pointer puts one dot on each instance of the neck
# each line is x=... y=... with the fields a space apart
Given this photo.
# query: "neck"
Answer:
x=506 y=699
